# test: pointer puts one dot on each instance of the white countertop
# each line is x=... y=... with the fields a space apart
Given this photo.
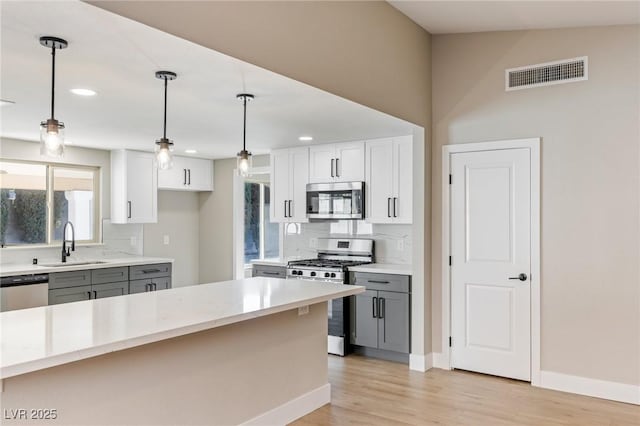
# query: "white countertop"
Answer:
x=383 y=268
x=27 y=268
x=274 y=261
x=38 y=338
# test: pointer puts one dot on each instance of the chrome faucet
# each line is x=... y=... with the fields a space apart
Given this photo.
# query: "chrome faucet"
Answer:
x=66 y=252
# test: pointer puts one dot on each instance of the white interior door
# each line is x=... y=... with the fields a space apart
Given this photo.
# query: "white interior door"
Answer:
x=490 y=248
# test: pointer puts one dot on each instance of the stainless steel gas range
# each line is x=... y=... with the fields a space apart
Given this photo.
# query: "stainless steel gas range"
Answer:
x=334 y=257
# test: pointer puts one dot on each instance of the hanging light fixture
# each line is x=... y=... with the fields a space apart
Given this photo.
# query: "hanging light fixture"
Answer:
x=244 y=156
x=164 y=147
x=52 y=130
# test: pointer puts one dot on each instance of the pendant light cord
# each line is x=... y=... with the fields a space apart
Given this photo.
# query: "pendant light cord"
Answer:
x=165 y=110
x=244 y=125
x=53 y=79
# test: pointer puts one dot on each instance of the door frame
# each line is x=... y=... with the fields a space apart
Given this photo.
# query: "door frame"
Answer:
x=533 y=145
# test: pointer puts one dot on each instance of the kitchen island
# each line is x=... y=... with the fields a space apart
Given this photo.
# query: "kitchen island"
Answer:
x=243 y=351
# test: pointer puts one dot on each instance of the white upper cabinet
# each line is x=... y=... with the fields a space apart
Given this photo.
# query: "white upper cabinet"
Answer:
x=187 y=174
x=340 y=162
x=134 y=187
x=389 y=180
x=289 y=178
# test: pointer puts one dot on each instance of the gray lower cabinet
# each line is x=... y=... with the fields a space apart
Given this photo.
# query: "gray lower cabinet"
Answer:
x=71 y=294
x=151 y=284
x=269 y=271
x=101 y=291
x=380 y=319
x=99 y=283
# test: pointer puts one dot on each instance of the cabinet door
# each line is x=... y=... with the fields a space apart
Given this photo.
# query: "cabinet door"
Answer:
x=349 y=162
x=379 y=180
x=72 y=294
x=403 y=179
x=163 y=283
x=393 y=327
x=199 y=174
x=322 y=163
x=142 y=188
x=139 y=286
x=364 y=330
x=299 y=177
x=279 y=185
x=174 y=178
x=100 y=291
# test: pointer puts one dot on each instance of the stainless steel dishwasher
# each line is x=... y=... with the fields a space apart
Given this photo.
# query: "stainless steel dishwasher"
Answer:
x=24 y=291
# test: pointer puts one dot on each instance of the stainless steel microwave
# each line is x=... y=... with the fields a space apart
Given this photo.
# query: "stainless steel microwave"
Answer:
x=339 y=200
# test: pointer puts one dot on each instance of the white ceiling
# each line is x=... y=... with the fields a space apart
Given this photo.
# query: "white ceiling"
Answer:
x=118 y=57
x=448 y=17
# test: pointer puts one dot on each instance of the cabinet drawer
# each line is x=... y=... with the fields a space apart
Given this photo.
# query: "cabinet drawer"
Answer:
x=385 y=282
x=69 y=279
x=101 y=291
x=149 y=271
x=269 y=271
x=109 y=275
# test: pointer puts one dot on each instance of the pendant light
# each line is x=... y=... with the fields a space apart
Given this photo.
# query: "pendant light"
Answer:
x=244 y=156
x=52 y=130
x=164 y=147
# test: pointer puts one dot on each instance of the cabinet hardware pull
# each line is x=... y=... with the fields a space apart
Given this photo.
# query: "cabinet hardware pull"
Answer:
x=388 y=207
x=377 y=282
x=332 y=160
x=290 y=208
x=150 y=271
x=395 y=207
x=285 y=208
x=374 y=306
x=95 y=294
x=189 y=171
x=337 y=174
x=184 y=176
x=269 y=273
x=128 y=209
x=381 y=309
x=89 y=295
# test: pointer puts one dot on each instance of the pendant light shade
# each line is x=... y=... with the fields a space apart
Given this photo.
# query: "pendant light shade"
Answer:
x=244 y=156
x=164 y=146
x=52 y=130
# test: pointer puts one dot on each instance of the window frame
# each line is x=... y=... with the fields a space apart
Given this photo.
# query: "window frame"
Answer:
x=49 y=179
x=261 y=247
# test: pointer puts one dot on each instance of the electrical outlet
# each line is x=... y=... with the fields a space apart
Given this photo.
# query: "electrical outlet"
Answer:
x=303 y=310
x=400 y=245
x=165 y=240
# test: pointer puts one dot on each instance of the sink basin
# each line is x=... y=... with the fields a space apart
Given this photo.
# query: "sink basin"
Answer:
x=59 y=264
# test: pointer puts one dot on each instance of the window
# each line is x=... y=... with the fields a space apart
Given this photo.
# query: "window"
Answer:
x=37 y=199
x=261 y=237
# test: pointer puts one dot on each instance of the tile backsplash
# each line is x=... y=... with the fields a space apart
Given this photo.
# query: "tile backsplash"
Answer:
x=118 y=240
x=393 y=243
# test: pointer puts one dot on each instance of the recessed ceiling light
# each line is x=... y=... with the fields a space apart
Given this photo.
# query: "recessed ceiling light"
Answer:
x=4 y=102
x=190 y=151
x=305 y=138
x=83 y=92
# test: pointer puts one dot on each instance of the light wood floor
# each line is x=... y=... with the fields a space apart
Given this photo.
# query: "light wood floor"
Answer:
x=373 y=392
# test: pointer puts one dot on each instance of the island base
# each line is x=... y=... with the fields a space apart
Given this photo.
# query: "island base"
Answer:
x=267 y=370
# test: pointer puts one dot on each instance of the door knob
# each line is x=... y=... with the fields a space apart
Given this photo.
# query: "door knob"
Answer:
x=521 y=277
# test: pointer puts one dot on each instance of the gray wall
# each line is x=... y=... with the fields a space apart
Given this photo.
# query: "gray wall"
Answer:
x=590 y=180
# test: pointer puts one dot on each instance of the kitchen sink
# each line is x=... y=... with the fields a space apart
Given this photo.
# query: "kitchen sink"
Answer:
x=59 y=264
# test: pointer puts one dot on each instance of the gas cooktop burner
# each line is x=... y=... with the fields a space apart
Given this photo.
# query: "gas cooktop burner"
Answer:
x=324 y=263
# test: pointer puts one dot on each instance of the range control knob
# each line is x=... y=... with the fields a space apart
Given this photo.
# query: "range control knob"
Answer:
x=327 y=275
x=333 y=275
x=299 y=272
x=313 y=274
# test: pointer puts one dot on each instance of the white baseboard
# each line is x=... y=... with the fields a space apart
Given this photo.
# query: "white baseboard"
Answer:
x=420 y=362
x=294 y=409
x=590 y=387
x=441 y=361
